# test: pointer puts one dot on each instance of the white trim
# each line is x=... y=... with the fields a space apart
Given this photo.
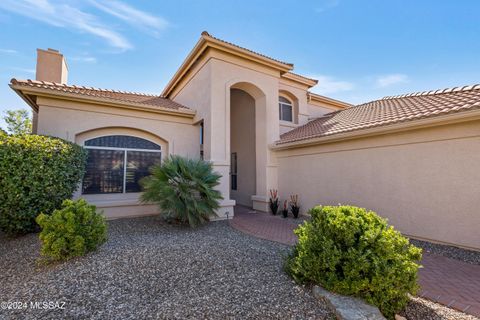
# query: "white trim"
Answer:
x=124 y=171
x=281 y=104
x=125 y=135
x=123 y=149
x=289 y=124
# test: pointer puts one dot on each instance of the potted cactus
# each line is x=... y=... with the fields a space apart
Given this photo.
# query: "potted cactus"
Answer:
x=273 y=201
x=294 y=206
x=285 y=209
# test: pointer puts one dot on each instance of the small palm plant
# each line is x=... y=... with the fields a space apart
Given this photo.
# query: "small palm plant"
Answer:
x=183 y=189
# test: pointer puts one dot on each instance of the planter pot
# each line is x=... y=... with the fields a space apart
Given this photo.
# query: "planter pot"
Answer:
x=285 y=213
x=295 y=212
x=274 y=207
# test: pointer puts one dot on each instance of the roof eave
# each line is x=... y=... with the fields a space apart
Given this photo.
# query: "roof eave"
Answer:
x=25 y=98
x=335 y=102
x=300 y=79
x=186 y=64
x=397 y=127
x=22 y=91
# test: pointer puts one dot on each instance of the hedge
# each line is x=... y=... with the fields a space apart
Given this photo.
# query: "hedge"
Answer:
x=352 y=251
x=36 y=174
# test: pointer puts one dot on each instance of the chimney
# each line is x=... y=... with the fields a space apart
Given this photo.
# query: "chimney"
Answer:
x=51 y=66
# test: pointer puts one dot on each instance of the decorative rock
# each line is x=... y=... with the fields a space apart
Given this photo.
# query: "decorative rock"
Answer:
x=152 y=270
x=348 y=308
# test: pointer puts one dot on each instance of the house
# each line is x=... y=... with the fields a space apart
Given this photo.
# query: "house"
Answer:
x=412 y=158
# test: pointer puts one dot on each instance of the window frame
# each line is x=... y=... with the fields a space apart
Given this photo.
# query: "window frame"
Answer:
x=280 y=109
x=125 y=158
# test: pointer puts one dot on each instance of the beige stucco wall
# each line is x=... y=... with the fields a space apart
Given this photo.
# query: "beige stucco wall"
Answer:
x=319 y=109
x=77 y=122
x=426 y=182
x=242 y=142
x=206 y=88
x=214 y=78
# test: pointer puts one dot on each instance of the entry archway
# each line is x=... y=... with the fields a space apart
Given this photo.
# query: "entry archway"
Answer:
x=247 y=108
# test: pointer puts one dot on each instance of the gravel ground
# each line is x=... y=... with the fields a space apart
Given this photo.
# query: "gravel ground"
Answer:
x=149 y=270
x=469 y=256
x=423 y=309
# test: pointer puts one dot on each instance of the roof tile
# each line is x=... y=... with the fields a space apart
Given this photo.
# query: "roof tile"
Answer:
x=387 y=111
x=116 y=95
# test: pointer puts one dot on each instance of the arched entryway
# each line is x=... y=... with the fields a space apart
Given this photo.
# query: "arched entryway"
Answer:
x=242 y=147
x=247 y=142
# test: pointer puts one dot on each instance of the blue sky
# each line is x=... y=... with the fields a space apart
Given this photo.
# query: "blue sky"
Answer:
x=359 y=50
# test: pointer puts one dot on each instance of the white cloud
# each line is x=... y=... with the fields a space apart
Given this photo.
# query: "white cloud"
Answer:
x=391 y=79
x=327 y=4
x=329 y=85
x=87 y=59
x=132 y=15
x=10 y=51
x=68 y=17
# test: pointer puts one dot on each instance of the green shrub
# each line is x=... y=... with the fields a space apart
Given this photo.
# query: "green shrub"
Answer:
x=183 y=189
x=36 y=174
x=71 y=231
x=352 y=251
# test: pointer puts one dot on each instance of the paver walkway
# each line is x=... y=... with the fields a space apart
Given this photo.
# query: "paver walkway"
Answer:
x=451 y=282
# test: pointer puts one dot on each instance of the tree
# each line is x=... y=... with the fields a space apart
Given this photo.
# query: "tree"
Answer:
x=18 y=121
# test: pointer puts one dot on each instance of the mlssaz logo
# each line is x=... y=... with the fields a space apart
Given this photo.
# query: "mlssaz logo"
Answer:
x=47 y=305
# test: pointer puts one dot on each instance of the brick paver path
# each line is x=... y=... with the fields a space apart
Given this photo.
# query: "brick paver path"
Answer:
x=447 y=281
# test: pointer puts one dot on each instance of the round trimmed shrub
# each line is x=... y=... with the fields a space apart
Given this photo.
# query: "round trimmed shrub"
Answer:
x=352 y=251
x=71 y=231
x=184 y=189
x=36 y=174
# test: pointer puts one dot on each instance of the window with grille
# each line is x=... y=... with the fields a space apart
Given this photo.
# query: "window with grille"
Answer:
x=115 y=164
x=285 y=109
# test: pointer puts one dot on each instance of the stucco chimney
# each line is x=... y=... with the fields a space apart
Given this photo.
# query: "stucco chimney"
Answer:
x=51 y=66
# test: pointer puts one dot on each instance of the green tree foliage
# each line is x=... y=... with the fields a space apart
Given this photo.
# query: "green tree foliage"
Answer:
x=183 y=189
x=352 y=251
x=71 y=231
x=18 y=121
x=36 y=174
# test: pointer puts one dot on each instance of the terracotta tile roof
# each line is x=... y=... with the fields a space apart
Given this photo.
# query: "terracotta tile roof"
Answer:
x=206 y=34
x=114 y=95
x=387 y=111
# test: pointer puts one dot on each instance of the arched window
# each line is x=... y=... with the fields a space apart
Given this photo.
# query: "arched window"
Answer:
x=115 y=164
x=285 y=109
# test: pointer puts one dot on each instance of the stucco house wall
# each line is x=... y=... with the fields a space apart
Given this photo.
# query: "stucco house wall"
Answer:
x=78 y=121
x=426 y=181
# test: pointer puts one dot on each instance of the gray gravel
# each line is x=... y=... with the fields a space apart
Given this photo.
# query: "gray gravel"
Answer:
x=423 y=309
x=149 y=270
x=469 y=256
